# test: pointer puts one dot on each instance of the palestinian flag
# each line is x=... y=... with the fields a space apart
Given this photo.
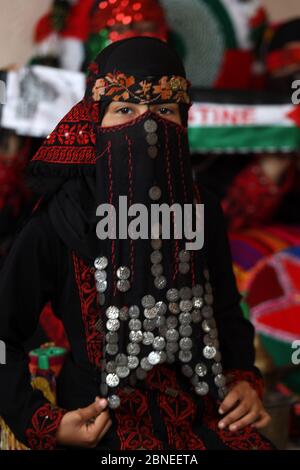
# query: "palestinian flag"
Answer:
x=240 y=122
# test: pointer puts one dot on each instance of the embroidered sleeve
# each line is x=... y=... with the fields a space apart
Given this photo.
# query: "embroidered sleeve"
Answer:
x=252 y=199
x=41 y=432
x=255 y=380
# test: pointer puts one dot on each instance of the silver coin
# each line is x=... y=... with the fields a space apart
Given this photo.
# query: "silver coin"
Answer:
x=101 y=263
x=154 y=357
x=196 y=316
x=149 y=324
x=112 y=337
x=185 y=305
x=123 y=272
x=122 y=371
x=155 y=193
x=133 y=349
x=195 y=380
x=206 y=274
x=112 y=380
x=185 y=356
x=222 y=392
x=217 y=368
x=218 y=356
x=185 y=318
x=206 y=326
x=174 y=308
x=220 y=380
x=186 y=344
x=207 y=311
x=148 y=301
x=148 y=338
x=134 y=311
x=111 y=349
x=159 y=343
x=172 y=321
x=160 y=320
x=209 y=352
x=197 y=290
x=187 y=370
x=202 y=388
x=208 y=341
x=163 y=329
x=123 y=285
x=201 y=369
x=185 y=330
x=162 y=308
x=113 y=325
x=184 y=256
x=172 y=295
x=112 y=312
x=163 y=357
x=121 y=359
x=213 y=333
x=209 y=299
x=183 y=268
x=100 y=275
x=156 y=257
x=101 y=298
x=124 y=313
x=172 y=346
x=152 y=151
x=150 y=126
x=150 y=313
x=160 y=282
x=198 y=302
x=101 y=286
x=110 y=367
x=152 y=139
x=156 y=244
x=208 y=288
x=171 y=358
x=157 y=269
x=133 y=362
x=114 y=402
x=135 y=324
x=185 y=293
x=172 y=335
x=136 y=336
x=141 y=374
x=145 y=364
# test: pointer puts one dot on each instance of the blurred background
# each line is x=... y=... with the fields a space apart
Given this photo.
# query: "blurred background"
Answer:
x=243 y=59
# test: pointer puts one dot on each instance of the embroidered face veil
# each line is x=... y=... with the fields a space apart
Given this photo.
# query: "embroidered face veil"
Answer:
x=155 y=298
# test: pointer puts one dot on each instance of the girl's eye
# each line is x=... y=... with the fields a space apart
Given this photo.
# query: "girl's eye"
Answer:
x=124 y=110
x=165 y=111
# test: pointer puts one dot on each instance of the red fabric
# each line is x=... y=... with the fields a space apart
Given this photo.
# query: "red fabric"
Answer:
x=53 y=327
x=236 y=375
x=252 y=198
x=267 y=287
x=85 y=281
x=236 y=71
x=129 y=14
x=78 y=21
x=41 y=432
x=282 y=58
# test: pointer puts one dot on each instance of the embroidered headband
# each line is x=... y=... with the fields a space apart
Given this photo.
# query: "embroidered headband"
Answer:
x=119 y=86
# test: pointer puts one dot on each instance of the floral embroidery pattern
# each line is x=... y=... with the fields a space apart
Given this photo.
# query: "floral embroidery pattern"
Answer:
x=120 y=87
x=41 y=434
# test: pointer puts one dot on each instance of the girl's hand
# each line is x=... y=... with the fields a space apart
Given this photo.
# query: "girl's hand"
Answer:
x=243 y=407
x=84 y=427
x=275 y=167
